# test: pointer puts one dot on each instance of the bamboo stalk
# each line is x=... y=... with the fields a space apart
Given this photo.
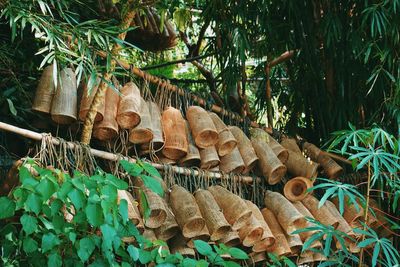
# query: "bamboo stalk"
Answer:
x=101 y=91
x=113 y=157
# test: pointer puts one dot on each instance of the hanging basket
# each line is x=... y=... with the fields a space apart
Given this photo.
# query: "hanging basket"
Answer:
x=202 y=127
x=65 y=101
x=298 y=165
x=86 y=102
x=156 y=127
x=290 y=144
x=212 y=214
x=246 y=149
x=226 y=141
x=129 y=108
x=232 y=162
x=267 y=239
x=251 y=232
x=288 y=216
x=256 y=257
x=133 y=211
x=192 y=158
x=231 y=239
x=186 y=211
x=351 y=214
x=234 y=208
x=296 y=188
x=280 y=151
x=281 y=246
x=178 y=244
x=142 y=134
x=295 y=243
x=155 y=204
x=108 y=128
x=330 y=167
x=176 y=143
x=44 y=91
x=209 y=158
x=322 y=214
x=304 y=260
x=204 y=235
x=272 y=168
x=306 y=213
x=169 y=228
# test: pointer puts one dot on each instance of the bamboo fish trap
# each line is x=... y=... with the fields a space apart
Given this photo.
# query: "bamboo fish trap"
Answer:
x=204 y=235
x=178 y=244
x=246 y=149
x=290 y=144
x=280 y=152
x=142 y=133
x=108 y=127
x=232 y=239
x=133 y=211
x=187 y=212
x=322 y=214
x=158 y=213
x=209 y=158
x=176 y=143
x=234 y=208
x=192 y=158
x=232 y=162
x=169 y=228
x=44 y=92
x=271 y=167
x=212 y=214
x=203 y=130
x=298 y=165
x=296 y=188
x=226 y=141
x=129 y=108
x=86 y=102
x=64 y=105
x=251 y=232
x=156 y=127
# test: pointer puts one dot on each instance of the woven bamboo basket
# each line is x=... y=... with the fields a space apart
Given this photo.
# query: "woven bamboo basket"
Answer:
x=331 y=168
x=87 y=99
x=133 y=211
x=64 y=105
x=295 y=243
x=351 y=214
x=158 y=213
x=246 y=149
x=260 y=134
x=226 y=140
x=129 y=108
x=187 y=212
x=322 y=214
x=204 y=235
x=44 y=91
x=142 y=133
x=178 y=244
x=212 y=214
x=192 y=158
x=290 y=144
x=280 y=151
x=139 y=183
x=256 y=257
x=298 y=165
x=267 y=239
x=296 y=188
x=176 y=143
x=232 y=162
x=281 y=246
x=156 y=127
x=271 y=167
x=251 y=233
x=231 y=239
x=234 y=208
x=319 y=257
x=108 y=128
x=203 y=130
x=164 y=160
x=209 y=158
x=305 y=260
x=169 y=228
x=288 y=216
x=306 y=213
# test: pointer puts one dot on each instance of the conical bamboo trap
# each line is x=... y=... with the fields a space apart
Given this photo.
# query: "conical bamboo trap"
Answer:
x=108 y=128
x=203 y=129
x=86 y=101
x=142 y=133
x=129 y=108
x=290 y=144
x=158 y=136
x=187 y=212
x=296 y=188
x=157 y=211
x=232 y=162
x=298 y=165
x=192 y=158
x=226 y=141
x=212 y=214
x=44 y=92
x=174 y=128
x=169 y=228
x=245 y=147
x=209 y=158
x=322 y=213
x=64 y=106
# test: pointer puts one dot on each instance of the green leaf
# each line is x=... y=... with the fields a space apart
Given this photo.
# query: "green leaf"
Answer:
x=231 y=264
x=29 y=223
x=78 y=183
x=54 y=260
x=109 y=193
x=64 y=190
x=118 y=183
x=49 y=241
x=375 y=254
x=144 y=256
x=151 y=170
x=132 y=169
x=366 y=242
x=11 y=107
x=77 y=198
x=133 y=252
x=237 y=253
x=188 y=262
x=26 y=177
x=108 y=235
x=94 y=214
x=86 y=248
x=72 y=237
x=123 y=210
x=46 y=189
x=55 y=206
x=153 y=184
x=7 y=208
x=29 y=245
x=203 y=247
x=34 y=203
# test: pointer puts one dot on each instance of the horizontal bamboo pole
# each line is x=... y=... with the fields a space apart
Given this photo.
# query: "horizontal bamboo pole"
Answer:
x=113 y=157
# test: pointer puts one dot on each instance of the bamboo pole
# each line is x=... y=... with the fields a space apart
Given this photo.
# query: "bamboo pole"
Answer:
x=113 y=157
x=101 y=91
